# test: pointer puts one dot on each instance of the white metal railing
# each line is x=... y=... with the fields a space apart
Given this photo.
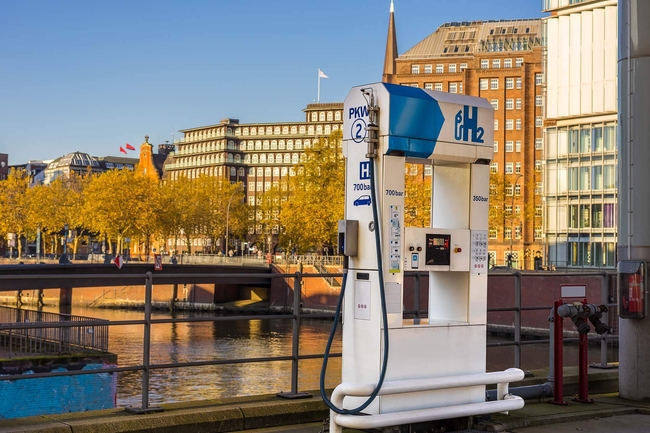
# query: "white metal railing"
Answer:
x=505 y=402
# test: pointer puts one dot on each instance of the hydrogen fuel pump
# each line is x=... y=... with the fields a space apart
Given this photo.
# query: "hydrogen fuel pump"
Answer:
x=386 y=125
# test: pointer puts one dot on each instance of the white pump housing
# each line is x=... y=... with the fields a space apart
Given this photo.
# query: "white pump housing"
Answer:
x=453 y=133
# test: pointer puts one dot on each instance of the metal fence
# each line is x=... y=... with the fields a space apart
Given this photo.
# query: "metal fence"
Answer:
x=45 y=337
x=295 y=315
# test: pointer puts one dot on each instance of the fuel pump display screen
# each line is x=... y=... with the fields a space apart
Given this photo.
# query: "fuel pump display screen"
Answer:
x=437 y=252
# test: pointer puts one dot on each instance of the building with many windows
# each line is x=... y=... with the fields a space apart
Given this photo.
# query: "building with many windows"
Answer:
x=259 y=155
x=500 y=61
x=580 y=132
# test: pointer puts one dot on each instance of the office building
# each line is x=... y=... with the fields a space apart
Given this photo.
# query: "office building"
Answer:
x=580 y=132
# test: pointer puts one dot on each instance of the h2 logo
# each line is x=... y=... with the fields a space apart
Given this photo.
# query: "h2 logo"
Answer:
x=465 y=122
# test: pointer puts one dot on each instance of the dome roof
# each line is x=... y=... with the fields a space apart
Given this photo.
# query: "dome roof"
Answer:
x=78 y=159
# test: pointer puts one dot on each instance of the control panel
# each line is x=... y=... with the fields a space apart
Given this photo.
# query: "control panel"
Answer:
x=430 y=249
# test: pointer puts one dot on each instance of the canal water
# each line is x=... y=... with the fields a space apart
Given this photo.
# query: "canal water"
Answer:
x=201 y=341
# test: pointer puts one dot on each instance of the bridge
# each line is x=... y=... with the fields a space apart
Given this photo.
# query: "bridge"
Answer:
x=38 y=277
x=225 y=278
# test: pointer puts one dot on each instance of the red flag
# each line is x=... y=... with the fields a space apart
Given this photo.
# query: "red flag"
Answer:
x=118 y=261
x=129 y=147
x=122 y=149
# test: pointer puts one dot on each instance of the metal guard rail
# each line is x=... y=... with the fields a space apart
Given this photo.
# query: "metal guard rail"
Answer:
x=504 y=402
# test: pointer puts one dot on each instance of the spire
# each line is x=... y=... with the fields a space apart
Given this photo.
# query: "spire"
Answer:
x=391 y=47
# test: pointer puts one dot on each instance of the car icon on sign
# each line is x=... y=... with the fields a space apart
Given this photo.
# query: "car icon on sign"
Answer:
x=364 y=200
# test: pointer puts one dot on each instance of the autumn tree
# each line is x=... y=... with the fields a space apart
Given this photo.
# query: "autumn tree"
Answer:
x=14 y=206
x=116 y=201
x=316 y=195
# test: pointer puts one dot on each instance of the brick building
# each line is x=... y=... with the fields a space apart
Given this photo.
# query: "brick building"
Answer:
x=500 y=61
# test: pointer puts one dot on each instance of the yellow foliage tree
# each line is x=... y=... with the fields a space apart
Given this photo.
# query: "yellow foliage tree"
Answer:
x=316 y=196
x=14 y=206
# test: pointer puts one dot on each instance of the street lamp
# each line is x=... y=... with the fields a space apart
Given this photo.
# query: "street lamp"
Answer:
x=65 y=243
x=512 y=219
x=228 y=217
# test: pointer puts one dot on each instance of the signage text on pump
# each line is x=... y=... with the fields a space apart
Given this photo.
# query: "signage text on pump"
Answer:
x=467 y=120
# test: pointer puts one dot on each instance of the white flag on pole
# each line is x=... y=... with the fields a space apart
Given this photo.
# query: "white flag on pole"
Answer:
x=321 y=74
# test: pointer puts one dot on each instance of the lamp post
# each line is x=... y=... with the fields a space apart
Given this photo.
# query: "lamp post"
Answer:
x=228 y=217
x=65 y=243
x=512 y=210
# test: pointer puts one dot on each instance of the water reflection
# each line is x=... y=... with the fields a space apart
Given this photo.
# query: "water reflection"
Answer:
x=201 y=341
x=239 y=339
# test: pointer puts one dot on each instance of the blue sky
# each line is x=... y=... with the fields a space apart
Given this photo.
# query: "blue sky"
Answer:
x=92 y=76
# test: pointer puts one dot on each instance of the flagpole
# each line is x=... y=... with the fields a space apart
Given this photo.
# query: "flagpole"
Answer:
x=318 y=100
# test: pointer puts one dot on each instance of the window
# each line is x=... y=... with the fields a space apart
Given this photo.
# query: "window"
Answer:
x=438 y=87
x=428 y=86
x=495 y=103
x=494 y=83
x=492 y=234
x=507 y=63
x=538 y=188
x=440 y=69
x=496 y=63
x=518 y=124
x=610 y=137
x=509 y=167
x=538 y=144
x=483 y=84
x=538 y=121
x=518 y=104
x=453 y=87
x=251 y=186
x=494 y=167
x=510 y=83
x=510 y=104
x=518 y=167
x=509 y=190
x=460 y=87
x=452 y=68
x=496 y=146
x=538 y=232
x=414 y=85
x=518 y=146
x=415 y=69
x=427 y=69
x=538 y=210
x=519 y=62
x=538 y=100
x=485 y=63
x=539 y=79
x=509 y=125
x=609 y=177
x=337 y=116
x=538 y=165
x=463 y=66
x=508 y=210
x=509 y=146
x=518 y=232
x=518 y=190
x=496 y=124
x=518 y=83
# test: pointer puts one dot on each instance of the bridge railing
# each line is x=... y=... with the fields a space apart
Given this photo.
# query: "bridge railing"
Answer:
x=295 y=315
x=45 y=338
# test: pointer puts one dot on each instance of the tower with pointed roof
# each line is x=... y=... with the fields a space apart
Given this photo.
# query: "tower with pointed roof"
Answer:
x=146 y=164
x=391 y=48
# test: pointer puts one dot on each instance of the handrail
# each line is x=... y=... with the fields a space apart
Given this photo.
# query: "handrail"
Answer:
x=295 y=315
x=504 y=401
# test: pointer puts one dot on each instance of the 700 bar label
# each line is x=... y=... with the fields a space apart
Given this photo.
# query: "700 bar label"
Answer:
x=361 y=187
